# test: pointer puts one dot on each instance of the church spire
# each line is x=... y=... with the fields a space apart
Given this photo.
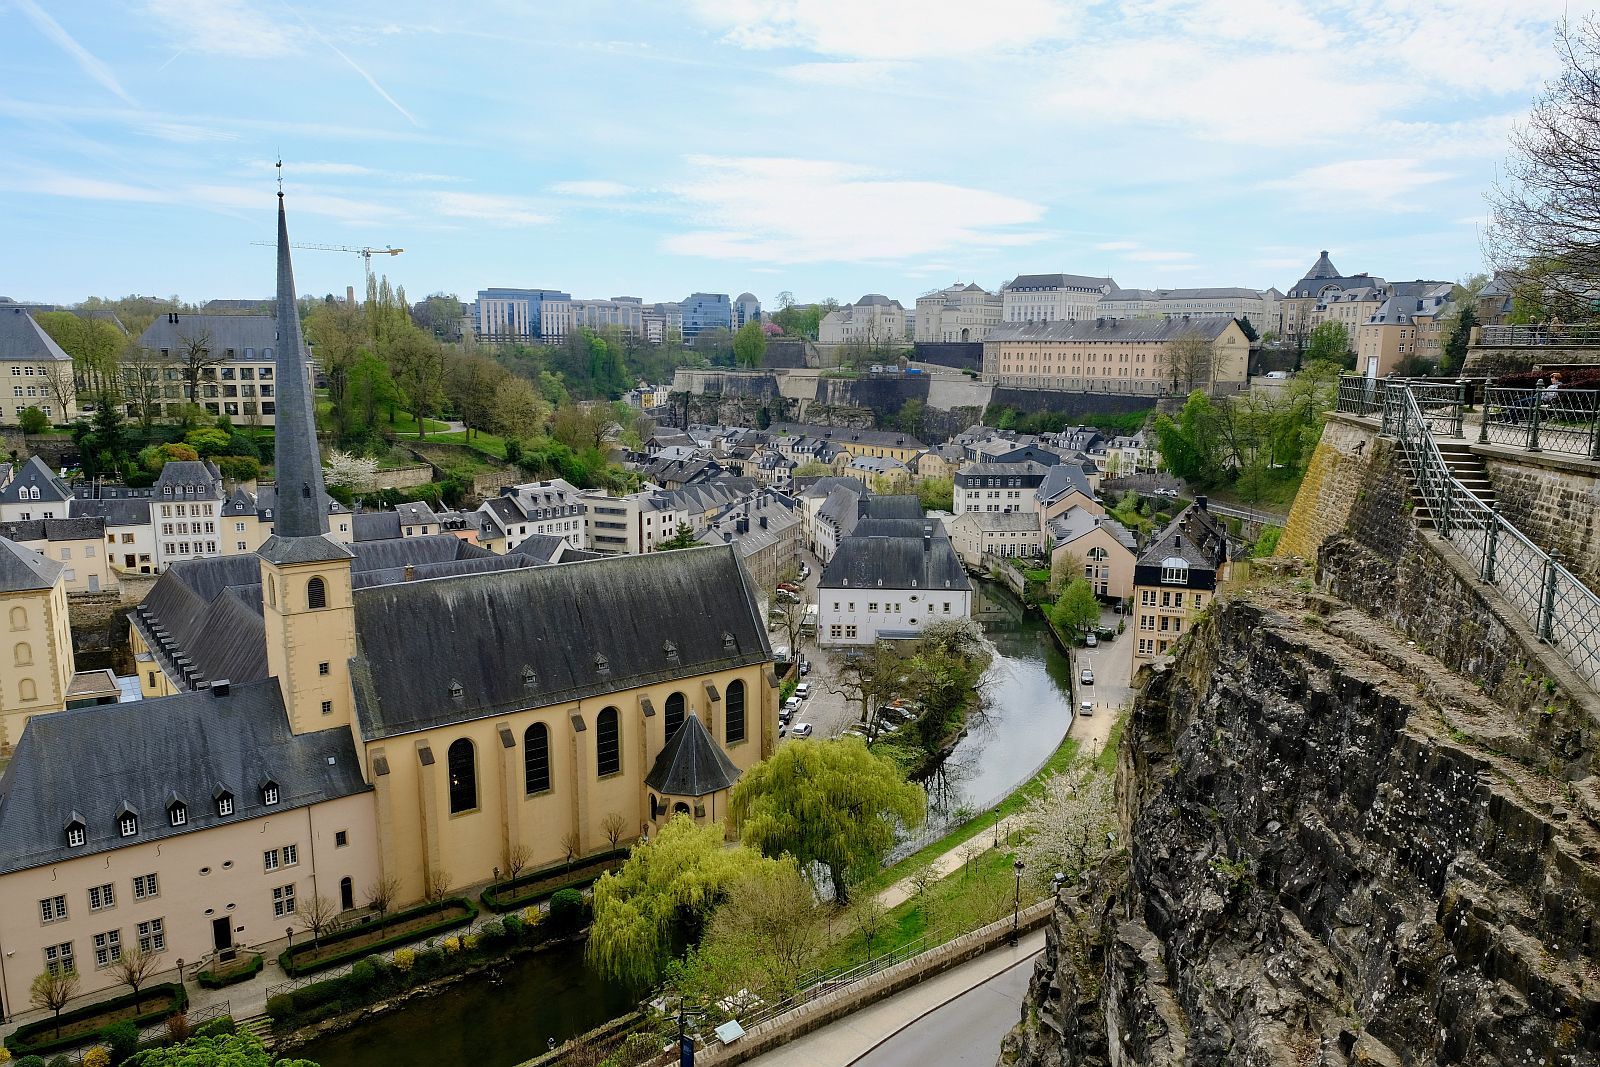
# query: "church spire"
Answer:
x=300 y=490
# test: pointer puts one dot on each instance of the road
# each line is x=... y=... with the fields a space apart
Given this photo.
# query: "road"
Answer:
x=1235 y=511
x=1112 y=663
x=967 y=1030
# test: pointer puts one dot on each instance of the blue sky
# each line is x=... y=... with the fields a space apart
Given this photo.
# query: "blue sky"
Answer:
x=827 y=147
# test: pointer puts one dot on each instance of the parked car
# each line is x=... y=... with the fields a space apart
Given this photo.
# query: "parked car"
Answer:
x=791 y=704
x=1086 y=708
x=801 y=730
x=805 y=570
x=805 y=667
x=1166 y=492
x=802 y=691
x=784 y=715
x=1090 y=640
x=1086 y=676
x=789 y=587
x=787 y=597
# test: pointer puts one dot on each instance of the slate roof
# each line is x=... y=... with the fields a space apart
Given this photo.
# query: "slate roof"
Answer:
x=1225 y=292
x=35 y=474
x=543 y=548
x=896 y=506
x=238 y=332
x=375 y=525
x=845 y=436
x=895 y=553
x=78 y=529
x=1059 y=281
x=1061 y=480
x=825 y=485
x=189 y=479
x=1002 y=521
x=1194 y=534
x=692 y=764
x=1077 y=521
x=93 y=762
x=23 y=569
x=1209 y=327
x=548 y=635
x=23 y=339
x=876 y=300
x=1026 y=469
x=113 y=511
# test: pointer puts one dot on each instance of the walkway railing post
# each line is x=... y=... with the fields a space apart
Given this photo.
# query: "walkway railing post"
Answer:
x=1444 y=514
x=1547 y=606
x=1483 y=416
x=1491 y=542
x=1533 y=426
x=1461 y=407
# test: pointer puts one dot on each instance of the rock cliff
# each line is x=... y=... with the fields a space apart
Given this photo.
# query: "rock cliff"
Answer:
x=1341 y=852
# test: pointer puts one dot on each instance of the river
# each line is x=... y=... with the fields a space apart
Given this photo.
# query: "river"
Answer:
x=1028 y=704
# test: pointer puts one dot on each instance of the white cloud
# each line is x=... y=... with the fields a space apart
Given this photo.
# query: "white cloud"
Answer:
x=865 y=74
x=223 y=27
x=185 y=133
x=1379 y=183
x=484 y=207
x=888 y=29
x=595 y=190
x=87 y=61
x=808 y=211
x=1116 y=246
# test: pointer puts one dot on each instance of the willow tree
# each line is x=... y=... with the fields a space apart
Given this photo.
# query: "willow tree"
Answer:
x=666 y=890
x=832 y=803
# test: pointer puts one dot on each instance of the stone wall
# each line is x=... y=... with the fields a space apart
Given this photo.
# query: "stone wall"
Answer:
x=1337 y=469
x=1553 y=499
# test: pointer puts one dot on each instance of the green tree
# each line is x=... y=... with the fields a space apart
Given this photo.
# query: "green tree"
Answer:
x=749 y=345
x=1076 y=608
x=682 y=537
x=666 y=889
x=208 y=441
x=32 y=420
x=1453 y=350
x=828 y=802
x=51 y=990
x=242 y=1049
x=936 y=494
x=909 y=417
x=766 y=936
x=1329 y=341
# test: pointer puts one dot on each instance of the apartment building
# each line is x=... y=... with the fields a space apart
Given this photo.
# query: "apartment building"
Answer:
x=512 y=314
x=1007 y=534
x=1114 y=355
x=636 y=523
x=874 y=320
x=1261 y=307
x=1052 y=297
x=889 y=579
x=1322 y=281
x=553 y=508
x=237 y=378
x=79 y=545
x=34 y=370
x=1174 y=579
x=999 y=487
x=1105 y=546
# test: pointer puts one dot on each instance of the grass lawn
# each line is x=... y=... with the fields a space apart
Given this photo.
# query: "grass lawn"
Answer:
x=405 y=423
x=1276 y=494
x=487 y=443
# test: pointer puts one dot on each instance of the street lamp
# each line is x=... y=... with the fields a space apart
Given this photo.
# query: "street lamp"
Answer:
x=1016 y=903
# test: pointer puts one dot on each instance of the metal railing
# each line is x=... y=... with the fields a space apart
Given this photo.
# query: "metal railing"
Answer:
x=1540 y=420
x=1562 y=611
x=1539 y=336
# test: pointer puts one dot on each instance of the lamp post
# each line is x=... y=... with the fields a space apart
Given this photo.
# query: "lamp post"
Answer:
x=1016 y=903
x=685 y=1041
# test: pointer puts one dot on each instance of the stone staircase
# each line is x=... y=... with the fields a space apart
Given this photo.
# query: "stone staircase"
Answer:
x=1467 y=468
x=259 y=1025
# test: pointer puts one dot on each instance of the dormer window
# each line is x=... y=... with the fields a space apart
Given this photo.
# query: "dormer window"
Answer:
x=455 y=690
x=1174 y=571
x=529 y=678
x=77 y=831
x=224 y=803
x=127 y=823
x=178 y=813
x=269 y=794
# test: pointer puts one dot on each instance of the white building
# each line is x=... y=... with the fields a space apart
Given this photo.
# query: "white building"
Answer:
x=638 y=522
x=1051 y=297
x=553 y=508
x=185 y=508
x=998 y=487
x=958 y=313
x=889 y=579
x=559 y=317
x=872 y=320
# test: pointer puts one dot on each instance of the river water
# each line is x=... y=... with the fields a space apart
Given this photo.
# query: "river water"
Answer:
x=553 y=995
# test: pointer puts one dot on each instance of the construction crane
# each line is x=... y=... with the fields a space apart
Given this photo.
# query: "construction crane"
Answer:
x=366 y=254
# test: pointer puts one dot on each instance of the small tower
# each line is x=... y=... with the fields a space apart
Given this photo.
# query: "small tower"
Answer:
x=36 y=659
x=306 y=596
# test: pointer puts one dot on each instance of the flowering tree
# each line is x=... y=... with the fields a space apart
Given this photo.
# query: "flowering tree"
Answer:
x=358 y=473
x=1073 y=822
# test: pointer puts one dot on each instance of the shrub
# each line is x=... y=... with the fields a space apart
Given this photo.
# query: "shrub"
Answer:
x=239 y=468
x=31 y=1061
x=280 y=1005
x=513 y=926
x=212 y=979
x=33 y=420
x=363 y=976
x=492 y=934
x=123 y=1038
x=566 y=910
x=404 y=959
x=98 y=1056
x=451 y=912
x=220 y=1027
x=59 y=1060
x=469 y=942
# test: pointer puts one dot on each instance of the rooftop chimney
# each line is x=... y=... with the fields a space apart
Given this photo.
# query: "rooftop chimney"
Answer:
x=1200 y=501
x=219 y=688
x=410 y=573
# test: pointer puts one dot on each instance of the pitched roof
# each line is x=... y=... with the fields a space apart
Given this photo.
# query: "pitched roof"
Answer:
x=1193 y=534
x=845 y=436
x=93 y=763
x=692 y=764
x=1059 y=281
x=21 y=338
x=1077 y=521
x=35 y=475
x=1061 y=480
x=375 y=525
x=1002 y=521
x=895 y=506
x=578 y=630
x=1322 y=268
x=73 y=529
x=23 y=569
x=190 y=478
x=896 y=554
x=220 y=332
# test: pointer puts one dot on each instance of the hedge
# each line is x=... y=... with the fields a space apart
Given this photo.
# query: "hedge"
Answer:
x=293 y=968
x=212 y=979
x=21 y=1042
x=535 y=886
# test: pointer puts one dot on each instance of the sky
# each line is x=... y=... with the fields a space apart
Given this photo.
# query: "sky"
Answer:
x=828 y=148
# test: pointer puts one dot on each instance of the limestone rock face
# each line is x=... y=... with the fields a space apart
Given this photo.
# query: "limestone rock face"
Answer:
x=1340 y=853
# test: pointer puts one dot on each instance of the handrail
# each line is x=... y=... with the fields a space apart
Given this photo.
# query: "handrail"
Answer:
x=1562 y=611
x=1587 y=336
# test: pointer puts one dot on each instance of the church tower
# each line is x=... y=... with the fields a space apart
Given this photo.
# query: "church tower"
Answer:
x=305 y=575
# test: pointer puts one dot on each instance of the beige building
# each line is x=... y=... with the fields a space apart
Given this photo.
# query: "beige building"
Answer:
x=958 y=313
x=239 y=353
x=1115 y=355
x=1052 y=297
x=323 y=716
x=34 y=370
x=1404 y=327
x=1066 y=486
x=1105 y=547
x=874 y=321
x=1320 y=283
x=36 y=656
x=1174 y=579
x=79 y=545
x=1007 y=534
x=1261 y=307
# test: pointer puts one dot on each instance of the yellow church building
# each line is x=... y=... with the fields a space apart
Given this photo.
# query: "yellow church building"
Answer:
x=320 y=716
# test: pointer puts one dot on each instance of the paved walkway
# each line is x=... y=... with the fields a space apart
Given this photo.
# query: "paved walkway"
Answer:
x=845 y=1041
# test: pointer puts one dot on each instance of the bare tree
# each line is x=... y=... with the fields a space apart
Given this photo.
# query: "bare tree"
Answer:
x=571 y=844
x=613 y=824
x=435 y=886
x=516 y=858
x=1544 y=226
x=62 y=382
x=869 y=680
x=1186 y=360
x=133 y=968
x=52 y=990
x=315 y=913
x=381 y=893
x=194 y=355
x=141 y=382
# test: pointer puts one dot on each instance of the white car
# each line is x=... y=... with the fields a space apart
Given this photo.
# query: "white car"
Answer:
x=801 y=730
x=1086 y=708
x=1086 y=677
x=803 y=690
